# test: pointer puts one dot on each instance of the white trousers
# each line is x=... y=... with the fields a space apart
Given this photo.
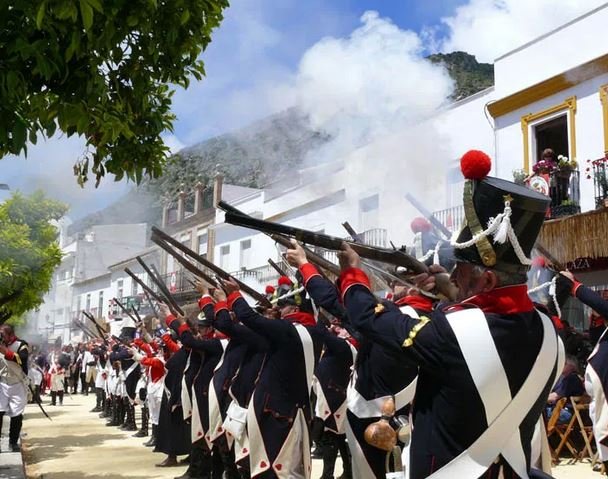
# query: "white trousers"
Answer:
x=13 y=399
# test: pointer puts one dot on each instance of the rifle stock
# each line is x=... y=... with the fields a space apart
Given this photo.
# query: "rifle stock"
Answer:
x=162 y=287
x=552 y=259
x=151 y=292
x=383 y=255
x=284 y=241
x=276 y=267
x=187 y=264
x=159 y=235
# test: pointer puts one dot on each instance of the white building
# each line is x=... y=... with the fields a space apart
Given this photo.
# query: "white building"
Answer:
x=82 y=280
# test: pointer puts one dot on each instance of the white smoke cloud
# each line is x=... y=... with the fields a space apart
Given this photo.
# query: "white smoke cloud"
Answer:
x=491 y=28
x=375 y=94
x=371 y=84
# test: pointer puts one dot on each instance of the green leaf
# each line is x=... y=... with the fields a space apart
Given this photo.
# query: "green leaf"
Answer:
x=96 y=4
x=185 y=17
x=19 y=134
x=87 y=14
x=40 y=15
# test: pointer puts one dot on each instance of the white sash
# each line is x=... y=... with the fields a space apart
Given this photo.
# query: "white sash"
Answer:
x=309 y=353
x=215 y=416
x=503 y=413
x=186 y=393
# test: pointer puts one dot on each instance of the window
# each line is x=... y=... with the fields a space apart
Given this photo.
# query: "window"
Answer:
x=88 y=303
x=368 y=213
x=245 y=256
x=119 y=288
x=172 y=213
x=100 y=304
x=551 y=128
x=224 y=254
x=202 y=245
x=189 y=204
x=551 y=134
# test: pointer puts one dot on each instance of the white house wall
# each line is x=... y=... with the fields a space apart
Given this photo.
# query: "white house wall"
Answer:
x=588 y=129
x=565 y=48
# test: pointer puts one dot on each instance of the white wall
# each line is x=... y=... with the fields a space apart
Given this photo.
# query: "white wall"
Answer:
x=565 y=48
x=589 y=133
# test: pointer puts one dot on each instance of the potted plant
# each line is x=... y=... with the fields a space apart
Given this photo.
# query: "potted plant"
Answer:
x=520 y=177
x=566 y=208
x=598 y=170
x=544 y=167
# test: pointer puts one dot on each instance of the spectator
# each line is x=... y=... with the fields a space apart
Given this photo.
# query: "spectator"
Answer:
x=569 y=384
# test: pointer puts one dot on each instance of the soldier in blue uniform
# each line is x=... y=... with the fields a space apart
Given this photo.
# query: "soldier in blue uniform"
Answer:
x=486 y=363
x=596 y=374
x=378 y=374
x=242 y=384
x=280 y=413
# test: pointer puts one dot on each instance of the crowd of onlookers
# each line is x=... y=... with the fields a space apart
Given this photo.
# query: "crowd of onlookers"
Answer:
x=60 y=370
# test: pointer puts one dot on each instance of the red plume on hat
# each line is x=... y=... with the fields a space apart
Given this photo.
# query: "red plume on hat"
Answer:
x=475 y=165
x=269 y=289
x=285 y=281
x=420 y=225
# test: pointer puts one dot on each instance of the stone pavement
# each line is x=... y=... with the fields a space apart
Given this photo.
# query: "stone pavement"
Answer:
x=11 y=465
x=76 y=444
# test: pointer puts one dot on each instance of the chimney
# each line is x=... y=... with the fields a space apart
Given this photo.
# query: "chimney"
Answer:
x=218 y=183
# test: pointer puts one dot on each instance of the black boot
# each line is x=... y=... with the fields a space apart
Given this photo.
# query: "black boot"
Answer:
x=14 y=432
x=227 y=456
x=143 y=432
x=152 y=441
x=115 y=413
x=330 y=453
x=53 y=398
x=217 y=466
x=347 y=468
x=98 y=401
x=122 y=412
x=1 y=420
x=129 y=424
x=60 y=394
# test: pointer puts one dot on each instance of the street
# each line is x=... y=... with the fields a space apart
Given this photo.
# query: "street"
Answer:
x=76 y=444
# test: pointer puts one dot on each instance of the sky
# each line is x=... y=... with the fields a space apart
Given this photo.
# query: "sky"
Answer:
x=258 y=56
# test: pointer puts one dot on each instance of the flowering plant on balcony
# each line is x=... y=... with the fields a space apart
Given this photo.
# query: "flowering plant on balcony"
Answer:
x=520 y=177
x=544 y=166
x=563 y=163
x=598 y=170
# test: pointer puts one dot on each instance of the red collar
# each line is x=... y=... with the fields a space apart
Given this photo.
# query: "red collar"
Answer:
x=419 y=303
x=305 y=319
x=505 y=300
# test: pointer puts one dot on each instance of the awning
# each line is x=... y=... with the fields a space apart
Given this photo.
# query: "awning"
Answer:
x=579 y=236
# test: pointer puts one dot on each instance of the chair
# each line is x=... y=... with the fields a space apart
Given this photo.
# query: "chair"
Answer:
x=580 y=404
x=561 y=430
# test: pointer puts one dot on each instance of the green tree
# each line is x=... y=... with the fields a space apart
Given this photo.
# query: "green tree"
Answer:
x=103 y=70
x=29 y=252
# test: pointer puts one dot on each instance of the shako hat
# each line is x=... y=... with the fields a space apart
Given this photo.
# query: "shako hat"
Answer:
x=502 y=219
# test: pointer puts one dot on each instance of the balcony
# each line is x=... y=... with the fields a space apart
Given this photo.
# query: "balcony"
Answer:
x=452 y=218
x=599 y=169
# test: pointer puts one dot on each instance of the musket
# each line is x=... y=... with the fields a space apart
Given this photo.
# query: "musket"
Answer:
x=100 y=330
x=552 y=259
x=284 y=241
x=311 y=256
x=397 y=258
x=187 y=264
x=84 y=328
x=162 y=287
x=136 y=313
x=160 y=236
x=438 y=225
x=277 y=268
x=152 y=308
x=150 y=291
x=125 y=310
x=351 y=231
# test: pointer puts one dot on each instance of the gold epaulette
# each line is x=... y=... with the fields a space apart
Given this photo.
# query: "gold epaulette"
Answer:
x=409 y=341
x=379 y=308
